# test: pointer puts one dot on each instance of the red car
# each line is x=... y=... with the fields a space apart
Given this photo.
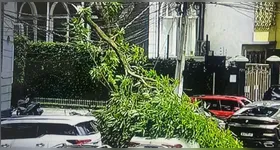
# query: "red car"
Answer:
x=222 y=106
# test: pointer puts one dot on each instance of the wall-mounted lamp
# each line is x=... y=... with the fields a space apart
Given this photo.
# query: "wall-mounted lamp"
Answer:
x=240 y=59
x=273 y=58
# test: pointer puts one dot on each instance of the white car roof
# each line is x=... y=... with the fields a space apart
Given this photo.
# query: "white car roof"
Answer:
x=265 y=103
x=70 y=120
x=160 y=141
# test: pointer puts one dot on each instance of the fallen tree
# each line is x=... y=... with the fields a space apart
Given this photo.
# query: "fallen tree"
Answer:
x=142 y=102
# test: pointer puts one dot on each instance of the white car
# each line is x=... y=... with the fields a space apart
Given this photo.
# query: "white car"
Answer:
x=48 y=131
x=161 y=143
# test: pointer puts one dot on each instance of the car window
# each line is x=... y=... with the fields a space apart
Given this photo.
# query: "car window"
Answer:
x=87 y=128
x=19 y=131
x=57 y=129
x=227 y=105
x=212 y=104
x=278 y=115
x=261 y=111
x=276 y=89
x=245 y=102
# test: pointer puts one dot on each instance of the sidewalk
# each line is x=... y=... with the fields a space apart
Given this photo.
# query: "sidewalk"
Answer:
x=60 y=111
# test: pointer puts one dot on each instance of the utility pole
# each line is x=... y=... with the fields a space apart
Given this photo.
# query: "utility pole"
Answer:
x=181 y=58
x=187 y=42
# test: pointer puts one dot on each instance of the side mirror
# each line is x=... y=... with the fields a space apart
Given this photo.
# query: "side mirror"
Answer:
x=236 y=109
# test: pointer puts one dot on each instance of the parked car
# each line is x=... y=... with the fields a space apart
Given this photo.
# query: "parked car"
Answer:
x=257 y=124
x=222 y=106
x=207 y=113
x=145 y=142
x=63 y=145
x=149 y=146
x=6 y=113
x=48 y=131
x=272 y=93
x=138 y=141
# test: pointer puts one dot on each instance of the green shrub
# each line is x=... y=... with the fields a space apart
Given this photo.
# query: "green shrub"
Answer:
x=55 y=70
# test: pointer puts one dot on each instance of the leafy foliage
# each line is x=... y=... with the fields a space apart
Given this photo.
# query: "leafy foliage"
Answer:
x=55 y=70
x=21 y=43
x=143 y=102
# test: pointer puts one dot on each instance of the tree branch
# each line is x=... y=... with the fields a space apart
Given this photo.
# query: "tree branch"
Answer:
x=115 y=47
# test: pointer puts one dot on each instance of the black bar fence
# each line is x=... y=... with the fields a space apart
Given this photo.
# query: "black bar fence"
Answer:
x=70 y=103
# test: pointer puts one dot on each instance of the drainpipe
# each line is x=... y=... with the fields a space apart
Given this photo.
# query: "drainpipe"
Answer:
x=167 y=45
x=158 y=48
x=197 y=48
x=202 y=13
x=200 y=26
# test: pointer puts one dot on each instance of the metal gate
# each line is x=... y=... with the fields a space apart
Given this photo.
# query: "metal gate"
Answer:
x=257 y=80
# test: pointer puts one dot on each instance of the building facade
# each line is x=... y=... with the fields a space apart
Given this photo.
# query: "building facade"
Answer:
x=243 y=28
x=164 y=29
x=233 y=28
x=45 y=21
x=49 y=21
x=228 y=28
x=8 y=13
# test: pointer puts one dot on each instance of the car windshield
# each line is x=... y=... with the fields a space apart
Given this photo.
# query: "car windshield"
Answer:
x=246 y=101
x=87 y=128
x=261 y=111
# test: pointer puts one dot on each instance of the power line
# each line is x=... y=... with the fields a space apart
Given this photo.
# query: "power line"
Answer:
x=41 y=28
x=61 y=35
x=43 y=18
x=248 y=7
x=24 y=22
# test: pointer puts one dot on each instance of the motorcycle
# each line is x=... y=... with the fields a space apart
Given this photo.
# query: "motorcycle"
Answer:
x=27 y=107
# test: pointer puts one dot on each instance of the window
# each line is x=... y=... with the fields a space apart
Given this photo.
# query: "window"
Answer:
x=57 y=129
x=245 y=102
x=19 y=131
x=227 y=105
x=212 y=104
x=259 y=111
x=87 y=128
x=59 y=20
x=28 y=16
